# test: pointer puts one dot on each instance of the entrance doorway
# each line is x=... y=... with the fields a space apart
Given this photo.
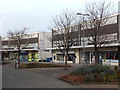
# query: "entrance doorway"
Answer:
x=71 y=57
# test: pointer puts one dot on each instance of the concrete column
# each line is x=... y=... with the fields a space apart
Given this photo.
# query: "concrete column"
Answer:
x=77 y=54
x=90 y=57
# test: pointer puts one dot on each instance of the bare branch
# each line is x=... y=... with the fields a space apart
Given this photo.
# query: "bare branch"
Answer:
x=16 y=37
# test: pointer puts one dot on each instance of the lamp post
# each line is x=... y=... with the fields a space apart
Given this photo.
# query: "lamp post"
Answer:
x=83 y=33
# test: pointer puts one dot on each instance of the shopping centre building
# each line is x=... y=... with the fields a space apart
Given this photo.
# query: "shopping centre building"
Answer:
x=35 y=50
x=109 y=54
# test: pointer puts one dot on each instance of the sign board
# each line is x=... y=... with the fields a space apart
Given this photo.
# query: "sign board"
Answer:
x=93 y=59
x=82 y=59
x=106 y=61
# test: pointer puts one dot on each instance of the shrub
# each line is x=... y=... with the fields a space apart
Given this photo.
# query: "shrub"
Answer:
x=90 y=77
x=110 y=72
x=112 y=78
x=98 y=73
x=93 y=69
x=99 y=68
x=100 y=77
x=116 y=68
x=82 y=70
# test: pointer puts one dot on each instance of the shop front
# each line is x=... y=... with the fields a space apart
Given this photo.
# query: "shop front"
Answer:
x=109 y=58
x=25 y=56
x=59 y=56
x=5 y=55
x=106 y=56
x=33 y=56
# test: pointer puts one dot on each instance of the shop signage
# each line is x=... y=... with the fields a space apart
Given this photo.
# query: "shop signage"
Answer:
x=82 y=59
x=106 y=62
x=93 y=59
x=114 y=61
x=70 y=52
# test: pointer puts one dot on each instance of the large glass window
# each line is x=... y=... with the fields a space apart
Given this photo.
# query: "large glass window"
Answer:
x=60 y=57
x=71 y=57
x=108 y=55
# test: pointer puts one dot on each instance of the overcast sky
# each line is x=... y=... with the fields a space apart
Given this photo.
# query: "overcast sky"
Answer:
x=35 y=14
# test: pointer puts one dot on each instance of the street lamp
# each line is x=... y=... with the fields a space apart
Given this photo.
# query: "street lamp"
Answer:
x=83 y=33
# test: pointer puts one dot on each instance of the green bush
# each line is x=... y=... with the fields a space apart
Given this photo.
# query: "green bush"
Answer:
x=82 y=70
x=98 y=73
x=90 y=77
x=110 y=72
x=116 y=68
x=112 y=78
x=100 y=77
x=99 y=68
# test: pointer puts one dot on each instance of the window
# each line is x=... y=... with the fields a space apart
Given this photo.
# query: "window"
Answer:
x=109 y=55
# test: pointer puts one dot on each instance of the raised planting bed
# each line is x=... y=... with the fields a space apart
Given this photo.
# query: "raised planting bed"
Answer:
x=92 y=75
x=40 y=65
x=72 y=78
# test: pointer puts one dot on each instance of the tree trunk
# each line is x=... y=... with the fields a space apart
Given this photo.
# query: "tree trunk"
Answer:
x=9 y=57
x=17 y=62
x=66 y=61
x=18 y=58
x=96 y=56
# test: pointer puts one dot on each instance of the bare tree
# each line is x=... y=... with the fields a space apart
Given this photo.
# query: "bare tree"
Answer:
x=64 y=32
x=95 y=26
x=16 y=39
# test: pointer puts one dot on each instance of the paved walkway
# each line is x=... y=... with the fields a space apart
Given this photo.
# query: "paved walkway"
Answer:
x=24 y=78
x=40 y=78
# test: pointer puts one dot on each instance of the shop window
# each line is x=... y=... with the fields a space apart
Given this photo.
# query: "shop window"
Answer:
x=112 y=55
x=116 y=56
x=107 y=55
x=71 y=57
x=60 y=57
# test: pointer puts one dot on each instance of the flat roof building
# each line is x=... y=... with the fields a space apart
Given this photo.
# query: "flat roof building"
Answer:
x=33 y=47
x=107 y=53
